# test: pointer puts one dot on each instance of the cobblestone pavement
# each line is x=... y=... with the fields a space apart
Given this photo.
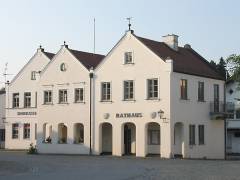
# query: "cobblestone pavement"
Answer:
x=19 y=165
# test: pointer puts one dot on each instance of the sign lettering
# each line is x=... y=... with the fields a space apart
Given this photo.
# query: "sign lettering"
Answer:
x=129 y=115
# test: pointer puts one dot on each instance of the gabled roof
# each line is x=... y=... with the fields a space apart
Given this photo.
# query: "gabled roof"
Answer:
x=185 y=60
x=49 y=55
x=87 y=59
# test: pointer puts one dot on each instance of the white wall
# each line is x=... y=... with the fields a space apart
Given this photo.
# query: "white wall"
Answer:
x=20 y=84
x=197 y=113
x=76 y=76
x=146 y=65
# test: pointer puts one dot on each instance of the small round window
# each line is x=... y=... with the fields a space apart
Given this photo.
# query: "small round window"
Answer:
x=63 y=67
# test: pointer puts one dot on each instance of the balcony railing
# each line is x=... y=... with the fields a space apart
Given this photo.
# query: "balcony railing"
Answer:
x=221 y=110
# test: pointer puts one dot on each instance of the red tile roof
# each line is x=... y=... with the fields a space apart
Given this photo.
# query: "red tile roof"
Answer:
x=87 y=59
x=185 y=60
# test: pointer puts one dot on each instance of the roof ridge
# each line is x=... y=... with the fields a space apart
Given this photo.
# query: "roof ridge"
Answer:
x=86 y=52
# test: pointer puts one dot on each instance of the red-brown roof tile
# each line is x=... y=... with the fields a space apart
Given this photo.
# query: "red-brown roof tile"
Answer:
x=87 y=59
x=185 y=60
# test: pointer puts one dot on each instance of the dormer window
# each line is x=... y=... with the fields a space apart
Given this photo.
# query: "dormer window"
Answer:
x=128 y=58
x=33 y=75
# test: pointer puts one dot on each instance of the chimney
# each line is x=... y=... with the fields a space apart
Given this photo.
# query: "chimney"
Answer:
x=171 y=40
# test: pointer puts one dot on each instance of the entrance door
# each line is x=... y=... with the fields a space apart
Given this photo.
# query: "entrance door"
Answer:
x=127 y=140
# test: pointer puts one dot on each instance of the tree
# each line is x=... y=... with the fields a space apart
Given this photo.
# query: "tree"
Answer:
x=233 y=63
x=220 y=67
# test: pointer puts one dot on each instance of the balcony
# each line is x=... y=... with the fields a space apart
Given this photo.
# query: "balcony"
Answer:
x=220 y=110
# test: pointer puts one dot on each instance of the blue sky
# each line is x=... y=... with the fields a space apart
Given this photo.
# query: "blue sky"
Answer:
x=211 y=27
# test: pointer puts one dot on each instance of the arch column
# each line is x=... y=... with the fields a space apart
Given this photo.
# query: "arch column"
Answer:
x=118 y=140
x=141 y=140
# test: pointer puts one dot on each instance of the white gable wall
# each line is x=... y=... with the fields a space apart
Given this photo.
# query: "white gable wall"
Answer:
x=146 y=66
x=75 y=76
x=20 y=84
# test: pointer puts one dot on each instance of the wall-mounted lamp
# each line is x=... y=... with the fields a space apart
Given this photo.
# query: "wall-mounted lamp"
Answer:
x=161 y=115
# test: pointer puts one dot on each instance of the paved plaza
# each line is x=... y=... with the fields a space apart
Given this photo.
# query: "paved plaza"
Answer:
x=19 y=165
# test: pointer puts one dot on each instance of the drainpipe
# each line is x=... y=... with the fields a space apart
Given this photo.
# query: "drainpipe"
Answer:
x=90 y=111
x=225 y=121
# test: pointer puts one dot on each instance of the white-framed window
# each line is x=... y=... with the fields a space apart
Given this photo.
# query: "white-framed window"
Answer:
x=192 y=134
x=15 y=100
x=183 y=89
x=128 y=88
x=47 y=97
x=33 y=75
x=105 y=91
x=152 y=88
x=128 y=58
x=153 y=137
x=26 y=131
x=200 y=91
x=15 y=128
x=79 y=95
x=201 y=134
x=27 y=99
x=63 y=96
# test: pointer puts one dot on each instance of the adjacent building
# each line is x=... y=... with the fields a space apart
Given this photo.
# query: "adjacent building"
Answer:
x=64 y=102
x=233 y=120
x=21 y=103
x=145 y=97
x=2 y=117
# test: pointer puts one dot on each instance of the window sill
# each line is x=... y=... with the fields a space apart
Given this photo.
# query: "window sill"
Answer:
x=64 y=103
x=129 y=100
x=153 y=99
x=22 y=108
x=200 y=101
x=128 y=64
x=107 y=102
x=184 y=100
x=47 y=104
x=79 y=102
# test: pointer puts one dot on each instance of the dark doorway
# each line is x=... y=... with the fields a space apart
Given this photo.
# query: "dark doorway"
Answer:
x=127 y=140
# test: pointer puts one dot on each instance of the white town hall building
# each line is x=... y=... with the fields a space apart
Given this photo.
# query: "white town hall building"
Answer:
x=144 y=97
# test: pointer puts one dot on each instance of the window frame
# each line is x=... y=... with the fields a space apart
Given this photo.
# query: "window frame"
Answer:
x=237 y=112
x=201 y=93
x=15 y=131
x=15 y=104
x=126 y=57
x=192 y=135
x=80 y=98
x=49 y=97
x=184 y=89
x=150 y=139
x=33 y=75
x=152 y=89
x=106 y=92
x=27 y=99
x=26 y=131
x=201 y=134
x=64 y=99
x=129 y=93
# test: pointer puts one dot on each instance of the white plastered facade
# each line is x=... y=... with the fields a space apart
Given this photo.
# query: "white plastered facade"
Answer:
x=20 y=84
